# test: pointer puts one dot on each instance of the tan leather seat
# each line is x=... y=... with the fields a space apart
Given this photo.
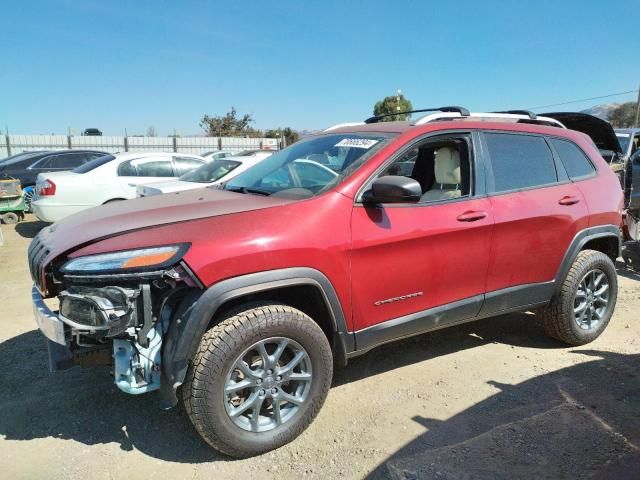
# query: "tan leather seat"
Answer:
x=447 y=176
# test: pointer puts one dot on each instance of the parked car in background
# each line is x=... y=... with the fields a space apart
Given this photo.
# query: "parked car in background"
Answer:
x=629 y=139
x=91 y=132
x=255 y=153
x=600 y=131
x=105 y=179
x=216 y=154
x=239 y=300
x=27 y=166
x=213 y=173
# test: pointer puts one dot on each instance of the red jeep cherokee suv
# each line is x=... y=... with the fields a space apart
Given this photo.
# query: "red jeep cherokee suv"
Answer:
x=240 y=299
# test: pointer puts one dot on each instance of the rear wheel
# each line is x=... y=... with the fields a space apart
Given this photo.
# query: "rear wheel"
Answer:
x=258 y=380
x=581 y=310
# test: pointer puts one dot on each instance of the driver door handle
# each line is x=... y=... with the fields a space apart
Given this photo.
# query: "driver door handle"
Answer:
x=569 y=200
x=472 y=216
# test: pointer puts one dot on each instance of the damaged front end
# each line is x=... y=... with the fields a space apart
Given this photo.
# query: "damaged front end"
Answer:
x=114 y=309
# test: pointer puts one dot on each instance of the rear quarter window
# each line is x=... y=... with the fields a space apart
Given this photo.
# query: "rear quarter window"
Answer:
x=575 y=161
x=520 y=161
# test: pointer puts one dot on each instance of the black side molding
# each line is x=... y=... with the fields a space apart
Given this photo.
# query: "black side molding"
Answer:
x=578 y=243
x=417 y=323
x=196 y=311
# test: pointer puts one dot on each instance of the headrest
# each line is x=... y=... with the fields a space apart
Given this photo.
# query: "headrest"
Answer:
x=447 y=166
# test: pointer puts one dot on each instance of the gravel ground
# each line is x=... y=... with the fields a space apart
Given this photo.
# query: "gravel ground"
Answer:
x=491 y=399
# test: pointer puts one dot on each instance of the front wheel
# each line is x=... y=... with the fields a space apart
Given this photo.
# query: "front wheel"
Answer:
x=258 y=380
x=583 y=306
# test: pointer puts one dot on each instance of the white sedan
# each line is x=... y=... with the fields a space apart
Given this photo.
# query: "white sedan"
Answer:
x=213 y=173
x=105 y=179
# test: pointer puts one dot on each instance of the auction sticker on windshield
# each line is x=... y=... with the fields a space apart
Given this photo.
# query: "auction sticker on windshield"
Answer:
x=356 y=143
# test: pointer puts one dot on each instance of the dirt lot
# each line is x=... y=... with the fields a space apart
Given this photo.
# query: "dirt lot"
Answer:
x=493 y=399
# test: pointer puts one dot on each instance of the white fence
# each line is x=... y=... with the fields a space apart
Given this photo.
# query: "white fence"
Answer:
x=12 y=144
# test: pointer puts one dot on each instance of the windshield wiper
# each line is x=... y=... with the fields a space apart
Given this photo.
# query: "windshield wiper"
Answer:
x=248 y=190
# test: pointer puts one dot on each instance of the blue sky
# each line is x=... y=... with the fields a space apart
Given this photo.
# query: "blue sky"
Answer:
x=306 y=64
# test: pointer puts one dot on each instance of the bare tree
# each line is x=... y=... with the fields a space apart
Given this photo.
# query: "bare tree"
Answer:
x=151 y=131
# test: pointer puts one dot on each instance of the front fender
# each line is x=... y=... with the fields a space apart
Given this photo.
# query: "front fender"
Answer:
x=193 y=315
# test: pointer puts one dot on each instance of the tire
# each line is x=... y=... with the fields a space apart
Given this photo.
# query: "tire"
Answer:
x=10 y=218
x=581 y=326
x=215 y=367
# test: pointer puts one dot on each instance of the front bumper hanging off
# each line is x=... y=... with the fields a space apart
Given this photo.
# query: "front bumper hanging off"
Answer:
x=60 y=356
x=137 y=368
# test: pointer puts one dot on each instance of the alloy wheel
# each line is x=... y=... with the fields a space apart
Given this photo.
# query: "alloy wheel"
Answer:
x=591 y=300
x=268 y=384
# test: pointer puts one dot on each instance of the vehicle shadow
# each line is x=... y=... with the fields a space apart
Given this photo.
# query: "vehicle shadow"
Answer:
x=84 y=404
x=626 y=272
x=582 y=421
x=29 y=229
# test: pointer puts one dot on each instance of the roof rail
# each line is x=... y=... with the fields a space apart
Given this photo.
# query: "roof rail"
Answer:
x=517 y=117
x=529 y=113
x=461 y=110
x=340 y=125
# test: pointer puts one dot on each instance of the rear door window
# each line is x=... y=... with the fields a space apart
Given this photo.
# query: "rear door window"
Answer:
x=575 y=161
x=520 y=161
x=66 y=161
x=154 y=168
x=147 y=167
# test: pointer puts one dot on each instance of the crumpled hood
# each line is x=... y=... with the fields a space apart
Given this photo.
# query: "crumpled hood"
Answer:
x=130 y=215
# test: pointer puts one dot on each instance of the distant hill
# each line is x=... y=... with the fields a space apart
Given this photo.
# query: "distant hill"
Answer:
x=601 y=111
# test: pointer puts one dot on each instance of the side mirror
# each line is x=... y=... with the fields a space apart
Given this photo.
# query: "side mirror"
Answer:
x=393 y=189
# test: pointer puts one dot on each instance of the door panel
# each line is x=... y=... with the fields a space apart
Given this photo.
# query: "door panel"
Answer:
x=532 y=232
x=537 y=209
x=410 y=258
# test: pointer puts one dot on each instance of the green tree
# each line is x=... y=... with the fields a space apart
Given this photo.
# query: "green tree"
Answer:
x=228 y=125
x=290 y=136
x=623 y=115
x=389 y=105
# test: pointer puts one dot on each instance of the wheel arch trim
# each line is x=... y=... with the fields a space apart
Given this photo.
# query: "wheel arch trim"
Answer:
x=191 y=319
x=578 y=243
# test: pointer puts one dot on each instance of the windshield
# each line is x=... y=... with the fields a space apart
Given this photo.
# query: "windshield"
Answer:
x=210 y=172
x=95 y=163
x=308 y=167
x=623 y=140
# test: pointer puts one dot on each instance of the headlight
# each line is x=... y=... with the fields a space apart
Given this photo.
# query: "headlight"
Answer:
x=128 y=260
x=109 y=308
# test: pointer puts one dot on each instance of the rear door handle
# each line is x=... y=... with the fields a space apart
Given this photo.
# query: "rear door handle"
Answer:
x=569 y=200
x=472 y=216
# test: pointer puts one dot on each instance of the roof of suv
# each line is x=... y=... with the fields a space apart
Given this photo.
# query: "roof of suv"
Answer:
x=547 y=124
x=402 y=127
